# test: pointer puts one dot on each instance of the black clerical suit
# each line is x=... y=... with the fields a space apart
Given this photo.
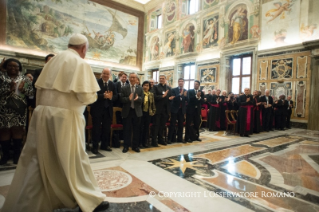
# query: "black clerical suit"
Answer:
x=131 y=113
x=289 y=111
x=245 y=114
x=178 y=110
x=102 y=113
x=193 y=113
x=162 y=112
x=280 y=113
x=267 y=112
x=214 y=113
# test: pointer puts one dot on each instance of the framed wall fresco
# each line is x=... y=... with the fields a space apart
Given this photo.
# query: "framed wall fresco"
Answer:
x=210 y=31
x=238 y=24
x=114 y=31
x=169 y=48
x=287 y=74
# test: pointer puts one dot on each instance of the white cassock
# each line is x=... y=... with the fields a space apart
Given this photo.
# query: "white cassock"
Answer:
x=54 y=170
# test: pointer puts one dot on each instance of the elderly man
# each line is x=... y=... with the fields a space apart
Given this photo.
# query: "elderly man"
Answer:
x=132 y=98
x=245 y=114
x=152 y=85
x=281 y=106
x=267 y=102
x=102 y=112
x=214 y=111
x=54 y=170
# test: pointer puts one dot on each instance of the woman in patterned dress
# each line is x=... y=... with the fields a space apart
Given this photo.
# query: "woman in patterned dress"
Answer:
x=11 y=122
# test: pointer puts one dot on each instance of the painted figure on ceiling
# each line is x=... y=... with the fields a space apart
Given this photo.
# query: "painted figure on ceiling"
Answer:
x=188 y=38
x=239 y=25
x=279 y=10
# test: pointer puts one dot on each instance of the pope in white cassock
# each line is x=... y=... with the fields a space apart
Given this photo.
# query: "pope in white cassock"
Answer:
x=54 y=170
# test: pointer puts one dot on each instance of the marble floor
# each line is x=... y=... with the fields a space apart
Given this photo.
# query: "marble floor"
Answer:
x=276 y=171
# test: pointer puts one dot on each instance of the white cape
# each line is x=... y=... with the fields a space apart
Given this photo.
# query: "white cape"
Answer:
x=54 y=170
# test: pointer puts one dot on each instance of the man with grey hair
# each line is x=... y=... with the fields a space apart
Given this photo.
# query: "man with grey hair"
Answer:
x=102 y=112
x=54 y=170
x=267 y=110
x=132 y=98
x=162 y=96
x=152 y=85
x=245 y=114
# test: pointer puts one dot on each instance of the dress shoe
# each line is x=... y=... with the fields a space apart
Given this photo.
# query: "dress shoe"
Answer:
x=241 y=135
x=102 y=207
x=198 y=139
x=163 y=143
x=246 y=135
x=154 y=145
x=144 y=145
x=107 y=149
x=125 y=149
x=136 y=149
x=169 y=142
x=94 y=151
x=189 y=141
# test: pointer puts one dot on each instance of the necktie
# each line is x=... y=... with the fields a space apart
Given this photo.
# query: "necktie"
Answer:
x=122 y=84
x=132 y=101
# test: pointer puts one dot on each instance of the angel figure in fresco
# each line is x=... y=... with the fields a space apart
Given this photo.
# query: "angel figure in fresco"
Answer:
x=210 y=34
x=155 y=48
x=307 y=32
x=238 y=24
x=279 y=10
x=188 y=39
x=169 y=45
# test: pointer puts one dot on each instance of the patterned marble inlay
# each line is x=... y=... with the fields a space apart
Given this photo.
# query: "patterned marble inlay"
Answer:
x=110 y=180
x=278 y=141
x=222 y=155
x=243 y=167
x=263 y=196
x=310 y=142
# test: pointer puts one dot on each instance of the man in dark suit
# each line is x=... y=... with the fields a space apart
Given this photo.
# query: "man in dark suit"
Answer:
x=119 y=85
x=102 y=112
x=195 y=99
x=267 y=102
x=281 y=106
x=289 y=111
x=178 y=110
x=132 y=98
x=162 y=96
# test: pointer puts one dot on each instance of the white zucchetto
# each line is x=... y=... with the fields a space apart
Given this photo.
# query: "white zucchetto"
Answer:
x=78 y=39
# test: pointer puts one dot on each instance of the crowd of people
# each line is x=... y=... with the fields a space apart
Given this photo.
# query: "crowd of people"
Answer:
x=148 y=108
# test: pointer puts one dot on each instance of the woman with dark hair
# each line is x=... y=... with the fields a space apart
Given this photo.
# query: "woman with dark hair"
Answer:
x=149 y=109
x=12 y=83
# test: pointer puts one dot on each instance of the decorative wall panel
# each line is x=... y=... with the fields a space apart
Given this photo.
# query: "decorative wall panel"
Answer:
x=263 y=70
x=281 y=68
x=302 y=67
x=300 y=98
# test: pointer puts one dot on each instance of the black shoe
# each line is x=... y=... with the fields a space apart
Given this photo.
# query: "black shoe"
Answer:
x=102 y=207
x=163 y=143
x=198 y=139
x=94 y=151
x=154 y=145
x=189 y=141
x=169 y=142
x=107 y=149
x=241 y=135
x=246 y=135
x=125 y=149
x=136 y=149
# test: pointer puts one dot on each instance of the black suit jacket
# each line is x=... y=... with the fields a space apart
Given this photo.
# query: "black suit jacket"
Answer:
x=102 y=103
x=193 y=102
x=281 y=106
x=118 y=86
x=289 y=109
x=161 y=102
x=125 y=99
x=242 y=100
x=178 y=101
x=270 y=100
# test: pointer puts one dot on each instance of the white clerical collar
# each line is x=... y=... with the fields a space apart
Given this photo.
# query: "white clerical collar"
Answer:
x=105 y=81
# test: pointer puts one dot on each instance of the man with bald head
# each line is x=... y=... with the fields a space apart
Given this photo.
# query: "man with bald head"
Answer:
x=102 y=112
x=54 y=170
